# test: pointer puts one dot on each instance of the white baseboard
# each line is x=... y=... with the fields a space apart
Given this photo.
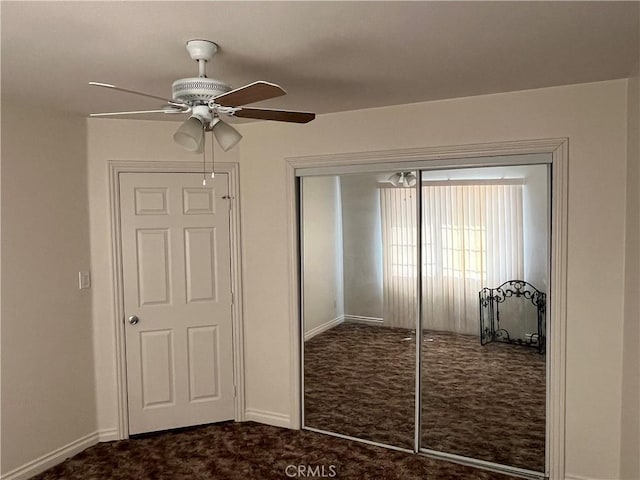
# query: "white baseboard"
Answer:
x=580 y=477
x=269 y=418
x=51 y=459
x=323 y=327
x=361 y=319
x=337 y=321
x=108 y=435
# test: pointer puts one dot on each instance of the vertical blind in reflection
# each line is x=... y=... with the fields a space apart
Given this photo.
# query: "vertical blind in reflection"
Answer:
x=472 y=237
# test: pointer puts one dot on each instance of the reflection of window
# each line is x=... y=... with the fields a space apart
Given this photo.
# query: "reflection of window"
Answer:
x=472 y=237
x=473 y=232
x=463 y=248
x=402 y=250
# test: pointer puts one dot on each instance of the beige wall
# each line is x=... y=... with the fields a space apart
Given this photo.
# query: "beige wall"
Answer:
x=362 y=240
x=593 y=116
x=535 y=219
x=322 y=252
x=630 y=414
x=48 y=397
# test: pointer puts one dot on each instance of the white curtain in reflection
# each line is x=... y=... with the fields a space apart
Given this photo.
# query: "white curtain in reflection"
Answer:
x=472 y=237
x=399 y=266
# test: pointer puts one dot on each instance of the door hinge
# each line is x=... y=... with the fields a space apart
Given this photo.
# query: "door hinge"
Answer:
x=235 y=392
x=229 y=197
x=233 y=299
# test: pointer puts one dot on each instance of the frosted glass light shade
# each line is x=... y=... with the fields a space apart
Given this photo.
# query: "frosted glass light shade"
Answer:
x=395 y=179
x=189 y=135
x=410 y=179
x=403 y=179
x=226 y=135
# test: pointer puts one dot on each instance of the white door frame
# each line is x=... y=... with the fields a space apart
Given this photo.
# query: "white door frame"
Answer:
x=133 y=166
x=458 y=156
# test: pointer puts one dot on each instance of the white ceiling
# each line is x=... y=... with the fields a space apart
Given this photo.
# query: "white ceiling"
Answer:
x=329 y=56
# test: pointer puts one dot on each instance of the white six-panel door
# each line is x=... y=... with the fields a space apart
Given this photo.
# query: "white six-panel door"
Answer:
x=177 y=282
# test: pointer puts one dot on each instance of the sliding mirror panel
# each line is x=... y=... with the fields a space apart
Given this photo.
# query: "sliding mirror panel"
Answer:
x=485 y=275
x=359 y=283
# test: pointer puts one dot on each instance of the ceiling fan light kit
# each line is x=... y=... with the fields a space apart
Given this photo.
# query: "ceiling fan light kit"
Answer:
x=207 y=100
x=225 y=134
x=403 y=179
x=189 y=135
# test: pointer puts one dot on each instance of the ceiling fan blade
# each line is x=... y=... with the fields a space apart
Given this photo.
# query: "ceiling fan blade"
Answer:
x=254 y=92
x=277 y=115
x=126 y=90
x=138 y=112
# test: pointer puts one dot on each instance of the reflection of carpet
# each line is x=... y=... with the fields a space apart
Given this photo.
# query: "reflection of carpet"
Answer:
x=481 y=402
x=250 y=451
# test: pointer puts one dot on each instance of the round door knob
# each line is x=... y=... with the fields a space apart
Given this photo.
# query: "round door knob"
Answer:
x=133 y=319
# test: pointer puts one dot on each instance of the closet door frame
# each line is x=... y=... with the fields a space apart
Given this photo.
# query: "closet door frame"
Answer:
x=552 y=151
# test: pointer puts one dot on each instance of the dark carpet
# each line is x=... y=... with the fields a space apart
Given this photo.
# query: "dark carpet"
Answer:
x=234 y=451
x=485 y=402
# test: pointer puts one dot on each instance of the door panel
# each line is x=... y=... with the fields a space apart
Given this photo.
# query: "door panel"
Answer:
x=177 y=281
x=157 y=374
x=154 y=273
x=200 y=250
x=198 y=201
x=203 y=360
x=151 y=201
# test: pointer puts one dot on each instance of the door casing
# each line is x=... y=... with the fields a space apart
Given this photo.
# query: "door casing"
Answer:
x=232 y=170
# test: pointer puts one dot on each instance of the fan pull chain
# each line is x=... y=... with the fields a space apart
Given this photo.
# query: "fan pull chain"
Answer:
x=204 y=159
x=213 y=175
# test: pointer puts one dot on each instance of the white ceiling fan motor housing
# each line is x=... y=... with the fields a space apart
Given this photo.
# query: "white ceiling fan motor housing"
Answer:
x=198 y=89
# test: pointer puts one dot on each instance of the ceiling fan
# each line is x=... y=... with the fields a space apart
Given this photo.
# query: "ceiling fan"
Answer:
x=207 y=100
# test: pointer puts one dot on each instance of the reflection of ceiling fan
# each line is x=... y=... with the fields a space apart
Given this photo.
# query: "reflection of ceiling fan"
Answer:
x=403 y=179
x=207 y=99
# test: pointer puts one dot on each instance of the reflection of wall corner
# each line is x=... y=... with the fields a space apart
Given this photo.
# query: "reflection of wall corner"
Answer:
x=361 y=319
x=323 y=327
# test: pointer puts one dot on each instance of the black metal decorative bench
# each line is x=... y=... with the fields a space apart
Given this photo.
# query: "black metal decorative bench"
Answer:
x=491 y=329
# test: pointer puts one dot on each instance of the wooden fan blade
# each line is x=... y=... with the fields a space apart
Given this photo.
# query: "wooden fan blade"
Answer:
x=134 y=92
x=277 y=115
x=136 y=112
x=254 y=92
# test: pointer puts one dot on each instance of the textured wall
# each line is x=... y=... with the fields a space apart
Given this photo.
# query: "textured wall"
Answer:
x=630 y=415
x=322 y=246
x=48 y=391
x=362 y=245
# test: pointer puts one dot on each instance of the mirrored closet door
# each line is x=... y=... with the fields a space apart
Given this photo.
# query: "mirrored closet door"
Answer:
x=359 y=364
x=459 y=370
x=485 y=270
